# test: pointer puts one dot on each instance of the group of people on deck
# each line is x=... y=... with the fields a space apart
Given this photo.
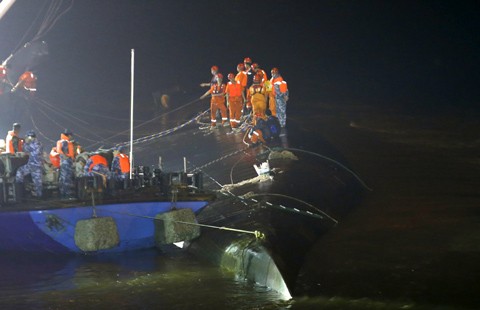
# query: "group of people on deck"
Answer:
x=69 y=158
x=249 y=90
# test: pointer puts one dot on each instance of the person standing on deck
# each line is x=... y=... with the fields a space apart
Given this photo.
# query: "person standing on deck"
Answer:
x=214 y=71
x=13 y=143
x=217 y=102
x=120 y=164
x=34 y=166
x=247 y=62
x=280 y=93
x=67 y=154
x=256 y=98
x=235 y=100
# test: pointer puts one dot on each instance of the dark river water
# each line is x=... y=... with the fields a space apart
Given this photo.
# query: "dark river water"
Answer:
x=412 y=244
x=141 y=280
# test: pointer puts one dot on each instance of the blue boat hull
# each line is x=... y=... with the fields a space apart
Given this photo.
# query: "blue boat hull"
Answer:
x=53 y=230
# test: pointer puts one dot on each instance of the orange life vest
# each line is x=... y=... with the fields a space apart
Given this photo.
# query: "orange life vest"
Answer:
x=55 y=157
x=279 y=81
x=10 y=148
x=97 y=160
x=71 y=152
x=124 y=162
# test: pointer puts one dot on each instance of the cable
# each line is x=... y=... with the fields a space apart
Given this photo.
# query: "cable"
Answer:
x=334 y=161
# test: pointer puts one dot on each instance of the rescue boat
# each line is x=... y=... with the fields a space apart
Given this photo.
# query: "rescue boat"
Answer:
x=102 y=217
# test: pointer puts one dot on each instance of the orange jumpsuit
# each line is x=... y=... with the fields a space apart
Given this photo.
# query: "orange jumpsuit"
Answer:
x=256 y=98
x=270 y=96
x=241 y=77
x=235 y=102
x=217 y=103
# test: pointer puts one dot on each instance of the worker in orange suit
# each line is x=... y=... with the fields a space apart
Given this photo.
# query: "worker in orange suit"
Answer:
x=256 y=98
x=13 y=142
x=217 y=102
x=257 y=70
x=28 y=81
x=241 y=76
x=235 y=99
x=271 y=106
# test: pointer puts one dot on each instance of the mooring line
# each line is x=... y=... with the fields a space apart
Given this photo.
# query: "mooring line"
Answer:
x=256 y=233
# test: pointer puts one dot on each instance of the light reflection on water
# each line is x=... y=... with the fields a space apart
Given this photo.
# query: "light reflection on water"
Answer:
x=140 y=280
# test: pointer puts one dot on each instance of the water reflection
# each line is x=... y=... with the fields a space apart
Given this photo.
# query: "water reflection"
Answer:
x=146 y=279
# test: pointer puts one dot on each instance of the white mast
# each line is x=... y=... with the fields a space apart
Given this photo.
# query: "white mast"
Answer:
x=131 y=111
x=5 y=6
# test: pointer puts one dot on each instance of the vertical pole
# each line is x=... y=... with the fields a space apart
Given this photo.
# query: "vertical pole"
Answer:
x=131 y=110
x=185 y=164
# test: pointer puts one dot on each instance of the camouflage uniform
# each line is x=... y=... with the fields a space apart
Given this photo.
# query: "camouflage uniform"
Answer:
x=66 y=173
x=96 y=170
x=34 y=166
x=118 y=175
x=281 y=105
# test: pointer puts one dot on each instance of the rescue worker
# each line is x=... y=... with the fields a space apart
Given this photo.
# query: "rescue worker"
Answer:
x=34 y=166
x=264 y=131
x=213 y=81
x=241 y=76
x=97 y=165
x=247 y=62
x=67 y=155
x=256 y=136
x=217 y=101
x=235 y=99
x=120 y=164
x=257 y=70
x=280 y=93
x=28 y=81
x=271 y=107
x=81 y=158
x=13 y=142
x=256 y=98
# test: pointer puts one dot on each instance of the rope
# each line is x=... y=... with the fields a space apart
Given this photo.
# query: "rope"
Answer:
x=256 y=233
x=219 y=159
x=162 y=133
x=294 y=209
x=334 y=161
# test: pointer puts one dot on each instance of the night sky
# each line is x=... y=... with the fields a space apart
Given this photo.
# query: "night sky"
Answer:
x=417 y=54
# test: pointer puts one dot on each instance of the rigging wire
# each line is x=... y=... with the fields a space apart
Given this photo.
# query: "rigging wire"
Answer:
x=156 y=135
x=52 y=18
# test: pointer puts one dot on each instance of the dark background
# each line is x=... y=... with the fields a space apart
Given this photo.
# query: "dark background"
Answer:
x=419 y=55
